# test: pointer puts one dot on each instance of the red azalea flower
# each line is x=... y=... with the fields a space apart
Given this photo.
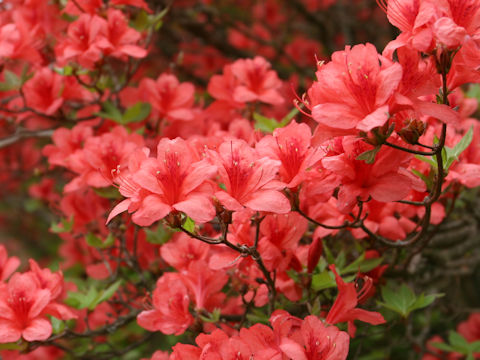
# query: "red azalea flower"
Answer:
x=250 y=181
x=174 y=181
x=344 y=308
x=22 y=306
x=170 y=313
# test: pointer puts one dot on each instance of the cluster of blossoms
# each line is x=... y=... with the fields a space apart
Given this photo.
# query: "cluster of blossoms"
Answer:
x=288 y=337
x=27 y=298
x=208 y=214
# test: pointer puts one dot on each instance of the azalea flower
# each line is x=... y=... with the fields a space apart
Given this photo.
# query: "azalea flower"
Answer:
x=344 y=309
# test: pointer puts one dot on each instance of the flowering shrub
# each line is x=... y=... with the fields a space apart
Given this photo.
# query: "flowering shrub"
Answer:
x=228 y=180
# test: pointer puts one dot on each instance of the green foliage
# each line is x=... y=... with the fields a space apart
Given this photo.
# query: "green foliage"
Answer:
x=110 y=192
x=92 y=297
x=325 y=279
x=213 y=317
x=369 y=155
x=403 y=300
x=64 y=226
x=457 y=343
x=57 y=325
x=268 y=125
x=474 y=92
x=64 y=71
x=95 y=241
x=135 y=113
x=158 y=236
x=452 y=154
x=143 y=20
x=257 y=316
x=189 y=224
x=362 y=265
x=11 y=81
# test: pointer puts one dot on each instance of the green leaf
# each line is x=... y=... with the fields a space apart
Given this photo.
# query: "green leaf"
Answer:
x=65 y=225
x=286 y=119
x=428 y=160
x=369 y=155
x=11 y=81
x=427 y=180
x=443 y=346
x=32 y=205
x=324 y=280
x=106 y=294
x=89 y=297
x=14 y=346
x=96 y=242
x=457 y=341
x=370 y=264
x=110 y=111
x=57 y=325
x=80 y=300
x=268 y=124
x=212 y=317
x=404 y=301
x=160 y=236
x=189 y=224
x=156 y=20
x=423 y=301
x=363 y=265
x=316 y=308
x=399 y=300
x=452 y=154
x=25 y=75
x=92 y=297
x=136 y=113
x=353 y=267
x=474 y=91
x=141 y=21
x=64 y=71
x=258 y=316
x=475 y=346
x=328 y=254
x=340 y=260
x=110 y=192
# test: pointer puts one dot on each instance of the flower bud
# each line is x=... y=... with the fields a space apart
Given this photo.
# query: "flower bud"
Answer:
x=412 y=131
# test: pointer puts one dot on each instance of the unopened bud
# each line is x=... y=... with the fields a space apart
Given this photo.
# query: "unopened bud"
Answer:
x=314 y=252
x=378 y=135
x=224 y=215
x=412 y=131
x=174 y=220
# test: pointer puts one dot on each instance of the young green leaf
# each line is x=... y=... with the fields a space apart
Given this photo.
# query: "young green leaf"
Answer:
x=399 y=300
x=11 y=81
x=369 y=155
x=404 y=301
x=65 y=225
x=269 y=124
x=424 y=301
x=57 y=325
x=322 y=281
x=136 y=113
x=110 y=111
x=189 y=224
x=106 y=294
x=428 y=160
x=461 y=146
x=96 y=242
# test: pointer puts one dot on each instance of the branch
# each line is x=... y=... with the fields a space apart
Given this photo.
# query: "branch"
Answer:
x=24 y=134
